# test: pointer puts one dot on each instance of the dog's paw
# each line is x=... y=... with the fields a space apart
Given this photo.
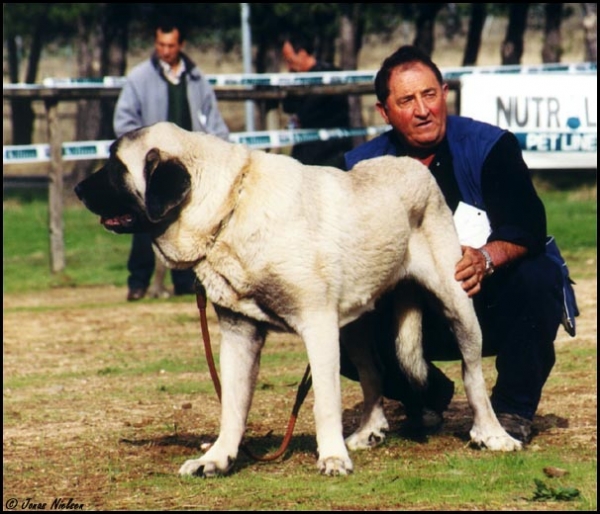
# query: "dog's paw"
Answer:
x=335 y=466
x=365 y=439
x=496 y=443
x=204 y=468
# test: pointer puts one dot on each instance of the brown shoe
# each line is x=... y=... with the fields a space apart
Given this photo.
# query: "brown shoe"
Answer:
x=135 y=294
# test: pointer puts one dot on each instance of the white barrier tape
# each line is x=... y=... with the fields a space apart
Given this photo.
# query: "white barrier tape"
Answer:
x=283 y=138
x=314 y=78
x=77 y=151
x=573 y=68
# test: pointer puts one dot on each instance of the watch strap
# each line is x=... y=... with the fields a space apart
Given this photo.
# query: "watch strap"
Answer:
x=489 y=263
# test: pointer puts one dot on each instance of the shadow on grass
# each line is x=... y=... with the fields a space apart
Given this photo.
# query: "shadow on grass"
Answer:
x=548 y=422
x=254 y=450
x=182 y=440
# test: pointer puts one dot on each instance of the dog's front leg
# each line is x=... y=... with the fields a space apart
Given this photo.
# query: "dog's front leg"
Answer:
x=320 y=333
x=241 y=344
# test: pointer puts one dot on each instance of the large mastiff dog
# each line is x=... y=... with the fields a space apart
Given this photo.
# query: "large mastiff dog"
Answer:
x=280 y=245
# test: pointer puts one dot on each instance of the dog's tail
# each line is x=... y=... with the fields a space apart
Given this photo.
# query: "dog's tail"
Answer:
x=409 y=339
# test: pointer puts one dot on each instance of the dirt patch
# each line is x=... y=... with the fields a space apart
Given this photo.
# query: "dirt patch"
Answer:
x=95 y=387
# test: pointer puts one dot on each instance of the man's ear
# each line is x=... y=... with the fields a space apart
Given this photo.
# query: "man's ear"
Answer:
x=445 y=90
x=168 y=184
x=382 y=110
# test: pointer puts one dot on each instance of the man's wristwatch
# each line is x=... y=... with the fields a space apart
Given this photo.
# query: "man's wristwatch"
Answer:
x=489 y=264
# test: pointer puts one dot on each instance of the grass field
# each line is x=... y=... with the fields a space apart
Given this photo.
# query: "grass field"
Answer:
x=103 y=401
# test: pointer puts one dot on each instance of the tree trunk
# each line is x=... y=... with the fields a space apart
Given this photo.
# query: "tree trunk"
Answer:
x=20 y=109
x=268 y=60
x=590 y=27
x=476 y=24
x=88 y=117
x=452 y=22
x=552 y=49
x=349 y=28
x=425 y=24
x=511 y=50
x=22 y=114
x=113 y=57
x=13 y=59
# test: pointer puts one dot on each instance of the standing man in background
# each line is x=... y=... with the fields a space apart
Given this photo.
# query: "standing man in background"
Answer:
x=315 y=111
x=166 y=87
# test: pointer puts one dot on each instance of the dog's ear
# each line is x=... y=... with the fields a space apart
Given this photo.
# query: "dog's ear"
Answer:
x=168 y=184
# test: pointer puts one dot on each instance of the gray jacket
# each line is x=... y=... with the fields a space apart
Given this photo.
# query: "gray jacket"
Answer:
x=144 y=98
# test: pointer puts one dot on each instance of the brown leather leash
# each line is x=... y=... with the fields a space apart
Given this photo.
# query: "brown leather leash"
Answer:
x=303 y=388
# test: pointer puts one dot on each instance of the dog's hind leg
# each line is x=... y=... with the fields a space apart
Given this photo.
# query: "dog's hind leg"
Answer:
x=320 y=332
x=459 y=310
x=486 y=431
x=357 y=338
x=434 y=251
x=241 y=344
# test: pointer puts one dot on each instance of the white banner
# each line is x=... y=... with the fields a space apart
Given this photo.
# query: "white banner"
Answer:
x=554 y=117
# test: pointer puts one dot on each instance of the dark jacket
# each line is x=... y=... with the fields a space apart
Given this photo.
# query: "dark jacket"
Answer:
x=320 y=111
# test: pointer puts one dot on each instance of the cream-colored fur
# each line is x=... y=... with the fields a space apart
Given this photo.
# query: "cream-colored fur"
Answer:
x=309 y=249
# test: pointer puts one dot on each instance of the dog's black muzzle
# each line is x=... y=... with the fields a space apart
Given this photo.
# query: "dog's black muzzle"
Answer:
x=104 y=193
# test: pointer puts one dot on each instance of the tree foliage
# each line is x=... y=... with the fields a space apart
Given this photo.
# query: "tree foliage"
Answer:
x=104 y=33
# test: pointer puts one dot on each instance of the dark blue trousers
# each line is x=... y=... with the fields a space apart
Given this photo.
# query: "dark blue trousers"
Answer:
x=141 y=267
x=519 y=309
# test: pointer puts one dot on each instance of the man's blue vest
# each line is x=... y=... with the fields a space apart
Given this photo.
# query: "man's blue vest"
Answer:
x=470 y=142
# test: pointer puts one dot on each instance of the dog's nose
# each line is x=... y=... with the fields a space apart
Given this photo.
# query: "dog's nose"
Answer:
x=78 y=191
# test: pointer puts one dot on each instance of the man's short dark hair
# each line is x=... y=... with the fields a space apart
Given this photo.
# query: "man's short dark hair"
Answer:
x=300 y=41
x=405 y=54
x=169 y=24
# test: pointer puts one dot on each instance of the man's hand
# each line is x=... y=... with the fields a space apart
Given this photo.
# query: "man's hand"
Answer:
x=470 y=270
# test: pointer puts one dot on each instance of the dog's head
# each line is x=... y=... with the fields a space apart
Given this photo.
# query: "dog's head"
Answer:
x=141 y=187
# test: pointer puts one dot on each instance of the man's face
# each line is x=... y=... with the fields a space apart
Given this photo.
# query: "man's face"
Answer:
x=168 y=46
x=416 y=107
x=296 y=62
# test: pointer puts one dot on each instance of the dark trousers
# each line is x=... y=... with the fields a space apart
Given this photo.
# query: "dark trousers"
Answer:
x=141 y=267
x=519 y=310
